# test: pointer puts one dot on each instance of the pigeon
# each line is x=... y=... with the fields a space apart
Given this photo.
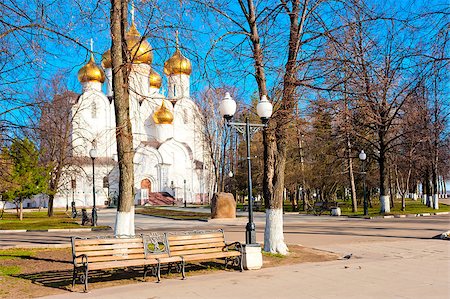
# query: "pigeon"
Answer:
x=346 y=257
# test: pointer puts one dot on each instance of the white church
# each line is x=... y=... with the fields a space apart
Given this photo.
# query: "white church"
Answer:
x=170 y=153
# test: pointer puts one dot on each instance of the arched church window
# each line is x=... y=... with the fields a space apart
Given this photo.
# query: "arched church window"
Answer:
x=174 y=90
x=105 y=182
x=94 y=110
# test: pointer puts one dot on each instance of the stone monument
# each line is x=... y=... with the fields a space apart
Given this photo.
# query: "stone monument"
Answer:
x=223 y=205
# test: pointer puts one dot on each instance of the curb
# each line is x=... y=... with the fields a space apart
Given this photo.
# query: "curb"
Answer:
x=38 y=246
x=177 y=219
x=401 y=215
x=53 y=230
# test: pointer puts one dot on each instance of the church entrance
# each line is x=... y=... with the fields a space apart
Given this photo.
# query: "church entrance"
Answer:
x=146 y=187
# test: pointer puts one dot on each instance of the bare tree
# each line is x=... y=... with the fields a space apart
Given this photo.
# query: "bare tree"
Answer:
x=54 y=132
x=121 y=63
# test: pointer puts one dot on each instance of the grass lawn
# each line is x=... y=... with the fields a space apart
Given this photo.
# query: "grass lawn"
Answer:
x=173 y=214
x=412 y=207
x=37 y=221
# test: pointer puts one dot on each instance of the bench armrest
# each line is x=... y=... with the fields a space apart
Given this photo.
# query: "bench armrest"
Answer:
x=235 y=245
x=84 y=259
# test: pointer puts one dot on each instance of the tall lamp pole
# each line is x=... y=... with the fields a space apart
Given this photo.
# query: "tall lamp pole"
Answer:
x=264 y=110
x=362 y=157
x=74 y=209
x=93 y=154
x=184 y=197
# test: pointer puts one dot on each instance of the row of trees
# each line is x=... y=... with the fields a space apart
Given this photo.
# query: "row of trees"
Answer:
x=343 y=76
x=373 y=79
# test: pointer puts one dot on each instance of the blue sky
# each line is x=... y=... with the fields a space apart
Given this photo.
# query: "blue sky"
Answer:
x=227 y=64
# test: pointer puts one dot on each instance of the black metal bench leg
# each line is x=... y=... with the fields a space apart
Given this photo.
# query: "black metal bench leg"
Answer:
x=145 y=271
x=183 y=264
x=158 y=271
x=241 y=262
x=74 y=277
x=86 y=279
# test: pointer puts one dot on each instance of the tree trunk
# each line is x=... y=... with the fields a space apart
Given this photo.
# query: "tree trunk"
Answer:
x=435 y=178
x=125 y=152
x=273 y=194
x=351 y=177
x=427 y=190
x=51 y=198
x=21 y=210
x=384 y=196
x=391 y=188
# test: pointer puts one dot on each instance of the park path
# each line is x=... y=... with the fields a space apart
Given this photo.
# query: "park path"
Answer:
x=391 y=258
x=413 y=268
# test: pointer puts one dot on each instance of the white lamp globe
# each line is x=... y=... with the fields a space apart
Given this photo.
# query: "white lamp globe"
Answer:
x=227 y=106
x=264 y=109
x=362 y=155
x=93 y=153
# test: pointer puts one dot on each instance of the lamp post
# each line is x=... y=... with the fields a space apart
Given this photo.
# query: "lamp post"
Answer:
x=74 y=209
x=362 y=157
x=264 y=109
x=93 y=155
x=184 y=197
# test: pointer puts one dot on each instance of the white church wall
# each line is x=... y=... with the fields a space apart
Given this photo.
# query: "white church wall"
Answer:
x=178 y=156
x=178 y=86
x=93 y=121
x=139 y=90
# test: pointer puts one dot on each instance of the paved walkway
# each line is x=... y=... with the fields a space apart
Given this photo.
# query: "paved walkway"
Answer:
x=392 y=258
x=400 y=269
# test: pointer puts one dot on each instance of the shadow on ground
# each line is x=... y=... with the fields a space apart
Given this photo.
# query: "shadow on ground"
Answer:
x=62 y=279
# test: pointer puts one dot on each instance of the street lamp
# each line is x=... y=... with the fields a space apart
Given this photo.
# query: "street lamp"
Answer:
x=74 y=210
x=264 y=108
x=184 y=182
x=362 y=157
x=93 y=155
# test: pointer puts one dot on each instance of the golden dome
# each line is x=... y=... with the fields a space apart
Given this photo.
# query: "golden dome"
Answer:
x=106 y=59
x=155 y=79
x=140 y=49
x=91 y=72
x=177 y=64
x=163 y=116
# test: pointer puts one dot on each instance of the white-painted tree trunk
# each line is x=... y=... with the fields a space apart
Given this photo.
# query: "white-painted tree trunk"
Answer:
x=385 y=205
x=273 y=234
x=124 y=223
x=435 y=202
x=414 y=196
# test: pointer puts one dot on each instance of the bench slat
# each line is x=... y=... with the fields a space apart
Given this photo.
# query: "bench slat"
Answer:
x=164 y=260
x=94 y=259
x=196 y=246
x=116 y=264
x=188 y=242
x=106 y=241
x=216 y=255
x=194 y=236
x=112 y=251
x=195 y=251
x=110 y=246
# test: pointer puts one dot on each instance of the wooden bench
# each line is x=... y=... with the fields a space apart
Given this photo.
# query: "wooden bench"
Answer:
x=191 y=246
x=323 y=206
x=110 y=252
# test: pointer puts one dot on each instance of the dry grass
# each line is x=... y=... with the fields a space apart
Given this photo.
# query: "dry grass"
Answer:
x=26 y=278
